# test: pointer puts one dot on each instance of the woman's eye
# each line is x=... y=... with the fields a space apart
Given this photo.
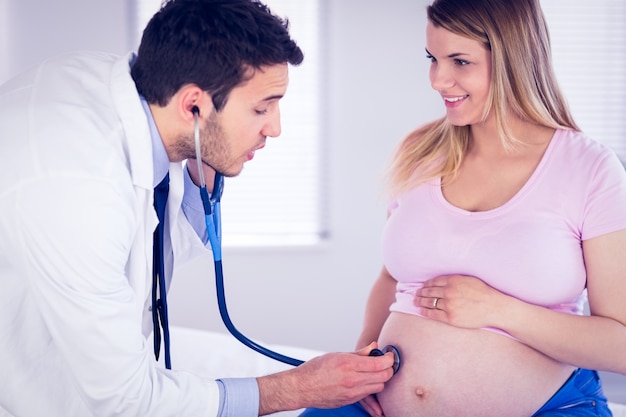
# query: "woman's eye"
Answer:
x=461 y=62
x=261 y=112
x=431 y=58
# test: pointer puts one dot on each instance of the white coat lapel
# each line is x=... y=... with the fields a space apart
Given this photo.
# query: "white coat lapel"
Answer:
x=138 y=149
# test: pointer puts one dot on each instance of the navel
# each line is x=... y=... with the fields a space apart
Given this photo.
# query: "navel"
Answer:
x=420 y=392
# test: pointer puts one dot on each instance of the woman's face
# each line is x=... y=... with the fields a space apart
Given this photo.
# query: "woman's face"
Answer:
x=460 y=72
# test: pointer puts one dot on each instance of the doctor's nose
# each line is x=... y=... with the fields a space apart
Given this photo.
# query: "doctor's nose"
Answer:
x=272 y=128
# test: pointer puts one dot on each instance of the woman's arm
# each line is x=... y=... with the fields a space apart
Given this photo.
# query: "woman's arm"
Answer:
x=594 y=342
x=380 y=298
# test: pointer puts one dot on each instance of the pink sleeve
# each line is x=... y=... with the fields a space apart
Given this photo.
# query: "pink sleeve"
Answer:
x=605 y=208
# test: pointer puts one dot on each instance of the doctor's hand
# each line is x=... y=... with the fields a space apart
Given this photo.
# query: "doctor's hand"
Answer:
x=328 y=381
x=370 y=403
x=209 y=173
x=461 y=301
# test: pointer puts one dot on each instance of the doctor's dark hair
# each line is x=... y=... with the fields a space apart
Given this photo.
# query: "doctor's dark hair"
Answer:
x=523 y=84
x=211 y=43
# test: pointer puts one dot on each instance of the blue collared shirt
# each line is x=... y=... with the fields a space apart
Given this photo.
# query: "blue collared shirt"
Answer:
x=238 y=396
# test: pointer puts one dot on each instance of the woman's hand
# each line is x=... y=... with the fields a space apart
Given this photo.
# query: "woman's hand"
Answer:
x=461 y=301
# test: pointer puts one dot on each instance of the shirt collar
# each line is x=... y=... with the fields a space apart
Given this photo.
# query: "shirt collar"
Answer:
x=159 y=155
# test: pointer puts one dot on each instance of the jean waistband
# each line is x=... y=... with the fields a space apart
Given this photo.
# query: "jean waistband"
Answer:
x=583 y=387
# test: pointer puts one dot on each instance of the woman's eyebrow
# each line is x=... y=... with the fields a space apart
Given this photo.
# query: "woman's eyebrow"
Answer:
x=453 y=55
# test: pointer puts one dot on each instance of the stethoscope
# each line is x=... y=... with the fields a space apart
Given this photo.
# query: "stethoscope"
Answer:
x=211 y=204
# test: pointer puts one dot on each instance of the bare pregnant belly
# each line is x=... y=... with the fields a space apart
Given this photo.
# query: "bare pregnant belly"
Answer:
x=452 y=372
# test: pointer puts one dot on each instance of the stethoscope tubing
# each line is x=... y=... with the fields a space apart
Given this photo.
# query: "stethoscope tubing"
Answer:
x=221 y=301
x=211 y=204
x=212 y=211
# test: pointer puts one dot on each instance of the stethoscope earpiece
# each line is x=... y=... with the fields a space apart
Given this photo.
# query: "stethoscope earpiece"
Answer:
x=195 y=110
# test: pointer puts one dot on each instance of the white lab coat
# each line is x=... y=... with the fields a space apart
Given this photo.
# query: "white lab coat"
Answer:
x=76 y=224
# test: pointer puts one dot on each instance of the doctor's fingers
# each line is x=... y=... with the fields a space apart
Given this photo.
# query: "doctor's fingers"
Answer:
x=353 y=363
x=361 y=368
x=337 y=379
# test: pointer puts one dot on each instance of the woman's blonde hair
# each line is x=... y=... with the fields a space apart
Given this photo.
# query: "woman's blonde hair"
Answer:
x=522 y=83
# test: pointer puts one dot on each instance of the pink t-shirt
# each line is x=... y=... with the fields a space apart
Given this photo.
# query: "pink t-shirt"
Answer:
x=530 y=247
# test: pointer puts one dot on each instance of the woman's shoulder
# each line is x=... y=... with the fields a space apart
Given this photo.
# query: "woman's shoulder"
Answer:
x=578 y=143
x=586 y=167
x=580 y=151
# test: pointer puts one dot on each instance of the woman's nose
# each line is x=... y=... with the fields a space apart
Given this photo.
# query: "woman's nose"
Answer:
x=440 y=78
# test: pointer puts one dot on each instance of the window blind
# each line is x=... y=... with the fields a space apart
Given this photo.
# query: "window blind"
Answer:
x=276 y=200
x=589 y=52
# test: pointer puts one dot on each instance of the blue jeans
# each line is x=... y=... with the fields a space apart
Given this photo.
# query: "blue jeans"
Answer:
x=580 y=396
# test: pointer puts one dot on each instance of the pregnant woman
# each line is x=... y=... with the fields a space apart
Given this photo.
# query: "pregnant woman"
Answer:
x=504 y=219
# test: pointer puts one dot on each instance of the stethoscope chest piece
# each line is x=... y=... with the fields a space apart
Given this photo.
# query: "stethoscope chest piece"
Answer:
x=392 y=349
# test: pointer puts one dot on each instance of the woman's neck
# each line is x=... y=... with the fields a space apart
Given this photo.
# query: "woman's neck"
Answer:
x=487 y=140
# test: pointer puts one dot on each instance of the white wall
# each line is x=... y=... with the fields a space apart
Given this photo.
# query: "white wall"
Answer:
x=31 y=30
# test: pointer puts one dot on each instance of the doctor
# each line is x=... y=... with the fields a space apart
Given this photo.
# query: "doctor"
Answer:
x=84 y=139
